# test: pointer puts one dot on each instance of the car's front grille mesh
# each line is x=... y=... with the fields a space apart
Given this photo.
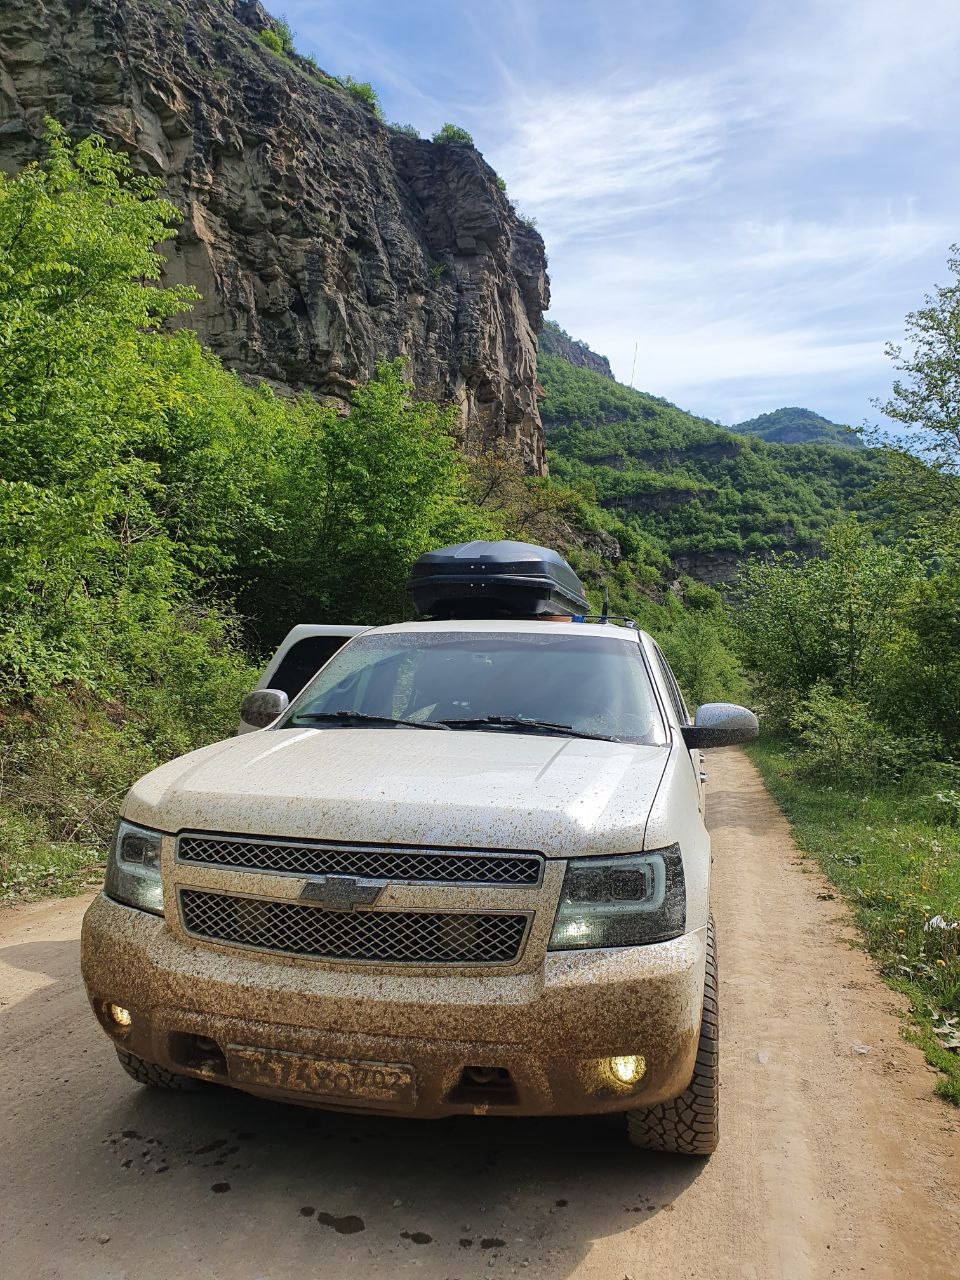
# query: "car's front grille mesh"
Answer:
x=370 y=863
x=384 y=937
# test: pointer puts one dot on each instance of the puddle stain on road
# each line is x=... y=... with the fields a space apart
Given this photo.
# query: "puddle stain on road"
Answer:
x=348 y=1225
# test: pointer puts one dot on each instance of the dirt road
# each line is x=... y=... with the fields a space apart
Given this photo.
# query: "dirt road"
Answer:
x=833 y=1161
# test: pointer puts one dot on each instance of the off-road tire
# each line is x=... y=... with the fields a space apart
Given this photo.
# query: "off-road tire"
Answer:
x=689 y=1125
x=155 y=1077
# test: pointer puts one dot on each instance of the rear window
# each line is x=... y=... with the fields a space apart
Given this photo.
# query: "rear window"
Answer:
x=303 y=660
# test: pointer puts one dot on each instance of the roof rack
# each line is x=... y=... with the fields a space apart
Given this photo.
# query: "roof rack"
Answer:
x=603 y=618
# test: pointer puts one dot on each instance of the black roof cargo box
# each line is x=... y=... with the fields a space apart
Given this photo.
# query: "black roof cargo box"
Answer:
x=495 y=580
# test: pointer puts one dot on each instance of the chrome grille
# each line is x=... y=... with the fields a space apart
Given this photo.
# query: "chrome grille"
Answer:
x=370 y=862
x=385 y=937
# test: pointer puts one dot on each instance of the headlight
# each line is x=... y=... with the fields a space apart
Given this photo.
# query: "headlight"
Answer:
x=623 y=901
x=133 y=869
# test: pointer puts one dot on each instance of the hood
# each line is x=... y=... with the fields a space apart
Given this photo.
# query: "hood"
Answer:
x=473 y=789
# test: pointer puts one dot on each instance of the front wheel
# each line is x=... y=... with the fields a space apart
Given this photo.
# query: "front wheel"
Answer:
x=154 y=1077
x=689 y=1125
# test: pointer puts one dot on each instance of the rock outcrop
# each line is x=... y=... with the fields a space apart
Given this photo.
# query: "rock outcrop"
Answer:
x=321 y=239
x=555 y=341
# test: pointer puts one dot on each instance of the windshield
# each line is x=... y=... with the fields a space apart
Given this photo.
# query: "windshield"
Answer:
x=528 y=681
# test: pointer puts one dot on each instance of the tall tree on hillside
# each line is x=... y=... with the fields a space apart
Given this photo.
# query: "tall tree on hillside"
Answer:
x=925 y=489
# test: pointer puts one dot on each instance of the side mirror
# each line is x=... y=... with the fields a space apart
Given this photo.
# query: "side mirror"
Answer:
x=720 y=724
x=262 y=707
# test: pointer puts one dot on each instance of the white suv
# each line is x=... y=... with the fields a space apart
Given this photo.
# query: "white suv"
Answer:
x=465 y=870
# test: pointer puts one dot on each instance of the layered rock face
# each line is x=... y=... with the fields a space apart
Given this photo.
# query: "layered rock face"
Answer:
x=555 y=341
x=321 y=240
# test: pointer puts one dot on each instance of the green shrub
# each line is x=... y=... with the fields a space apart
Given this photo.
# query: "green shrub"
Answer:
x=364 y=92
x=282 y=27
x=453 y=134
x=408 y=130
x=272 y=41
x=501 y=184
x=838 y=737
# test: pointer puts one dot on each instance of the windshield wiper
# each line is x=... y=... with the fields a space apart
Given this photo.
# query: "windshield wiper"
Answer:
x=516 y=722
x=360 y=717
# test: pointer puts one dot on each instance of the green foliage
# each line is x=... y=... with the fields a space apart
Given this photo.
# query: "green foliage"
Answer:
x=897 y=862
x=438 y=270
x=408 y=131
x=799 y=426
x=364 y=92
x=856 y=647
x=697 y=644
x=272 y=41
x=839 y=737
x=926 y=399
x=452 y=133
x=501 y=185
x=687 y=486
x=825 y=620
x=282 y=27
x=357 y=499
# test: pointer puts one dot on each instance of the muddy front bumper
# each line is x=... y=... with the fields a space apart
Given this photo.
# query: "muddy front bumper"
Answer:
x=548 y=1039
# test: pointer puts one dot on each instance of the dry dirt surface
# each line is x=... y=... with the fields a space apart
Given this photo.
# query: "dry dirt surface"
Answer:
x=835 y=1160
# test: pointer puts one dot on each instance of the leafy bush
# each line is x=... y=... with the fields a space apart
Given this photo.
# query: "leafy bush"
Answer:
x=826 y=619
x=501 y=184
x=272 y=41
x=453 y=134
x=840 y=738
x=408 y=130
x=283 y=30
x=364 y=92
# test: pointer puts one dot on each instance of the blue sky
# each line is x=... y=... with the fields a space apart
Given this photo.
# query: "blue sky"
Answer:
x=754 y=192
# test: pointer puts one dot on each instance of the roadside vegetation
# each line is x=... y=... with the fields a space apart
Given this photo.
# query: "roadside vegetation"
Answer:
x=892 y=848
x=855 y=659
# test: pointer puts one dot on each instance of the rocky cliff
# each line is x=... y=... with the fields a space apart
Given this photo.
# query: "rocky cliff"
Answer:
x=555 y=341
x=321 y=239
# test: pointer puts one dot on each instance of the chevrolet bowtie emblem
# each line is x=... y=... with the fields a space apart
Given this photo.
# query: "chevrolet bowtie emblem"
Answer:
x=341 y=893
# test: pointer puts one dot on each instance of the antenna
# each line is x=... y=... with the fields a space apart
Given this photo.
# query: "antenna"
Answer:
x=633 y=368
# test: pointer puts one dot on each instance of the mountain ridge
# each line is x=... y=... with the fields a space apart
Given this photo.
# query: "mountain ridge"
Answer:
x=795 y=425
x=698 y=498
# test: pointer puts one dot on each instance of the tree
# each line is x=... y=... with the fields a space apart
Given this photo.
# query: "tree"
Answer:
x=828 y=620
x=362 y=495
x=925 y=490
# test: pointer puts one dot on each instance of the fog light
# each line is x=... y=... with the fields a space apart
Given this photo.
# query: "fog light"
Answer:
x=628 y=1070
x=118 y=1015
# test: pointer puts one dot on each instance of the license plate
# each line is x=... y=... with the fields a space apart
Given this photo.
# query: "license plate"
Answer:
x=386 y=1083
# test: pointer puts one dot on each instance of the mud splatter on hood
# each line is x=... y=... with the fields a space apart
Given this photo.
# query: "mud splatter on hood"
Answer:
x=476 y=789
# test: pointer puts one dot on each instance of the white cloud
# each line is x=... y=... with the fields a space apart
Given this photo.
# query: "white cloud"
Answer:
x=602 y=157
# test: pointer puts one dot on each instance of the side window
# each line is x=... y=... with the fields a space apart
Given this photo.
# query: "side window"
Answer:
x=303 y=660
x=673 y=689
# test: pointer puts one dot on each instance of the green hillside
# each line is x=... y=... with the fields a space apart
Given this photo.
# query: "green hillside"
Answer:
x=697 y=494
x=793 y=425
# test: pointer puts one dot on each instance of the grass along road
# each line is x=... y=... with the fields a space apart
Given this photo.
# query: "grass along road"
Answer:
x=894 y=853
